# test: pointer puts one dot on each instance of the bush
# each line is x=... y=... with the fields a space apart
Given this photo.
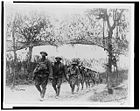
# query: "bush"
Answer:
x=123 y=75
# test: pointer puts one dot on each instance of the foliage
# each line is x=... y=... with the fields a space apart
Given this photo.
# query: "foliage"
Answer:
x=115 y=20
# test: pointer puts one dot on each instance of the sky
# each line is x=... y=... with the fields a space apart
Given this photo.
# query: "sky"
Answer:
x=68 y=51
x=80 y=51
x=60 y=11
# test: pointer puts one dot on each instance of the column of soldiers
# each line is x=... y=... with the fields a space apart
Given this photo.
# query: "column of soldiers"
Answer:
x=75 y=74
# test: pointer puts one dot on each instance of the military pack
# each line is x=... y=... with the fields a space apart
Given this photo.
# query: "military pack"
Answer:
x=58 y=69
x=40 y=68
x=73 y=71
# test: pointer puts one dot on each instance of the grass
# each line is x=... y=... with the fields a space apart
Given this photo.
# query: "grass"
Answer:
x=123 y=75
x=118 y=93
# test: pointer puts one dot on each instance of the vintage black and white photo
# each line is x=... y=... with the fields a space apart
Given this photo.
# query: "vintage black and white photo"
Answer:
x=68 y=54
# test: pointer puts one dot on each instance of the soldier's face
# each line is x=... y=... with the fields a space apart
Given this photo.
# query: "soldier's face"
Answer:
x=42 y=55
x=58 y=60
x=74 y=65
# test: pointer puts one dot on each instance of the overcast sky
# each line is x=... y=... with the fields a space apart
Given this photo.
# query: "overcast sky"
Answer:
x=80 y=51
x=58 y=10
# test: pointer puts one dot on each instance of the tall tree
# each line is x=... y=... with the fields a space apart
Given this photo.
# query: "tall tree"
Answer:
x=117 y=26
x=106 y=28
x=30 y=32
x=11 y=34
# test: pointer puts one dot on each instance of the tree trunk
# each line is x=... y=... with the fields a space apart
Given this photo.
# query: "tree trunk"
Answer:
x=109 y=57
x=30 y=53
x=15 y=58
x=117 y=79
x=110 y=60
x=29 y=69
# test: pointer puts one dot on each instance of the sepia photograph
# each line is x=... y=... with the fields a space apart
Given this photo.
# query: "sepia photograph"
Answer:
x=68 y=55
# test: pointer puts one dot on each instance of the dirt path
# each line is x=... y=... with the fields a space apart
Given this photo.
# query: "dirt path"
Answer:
x=28 y=95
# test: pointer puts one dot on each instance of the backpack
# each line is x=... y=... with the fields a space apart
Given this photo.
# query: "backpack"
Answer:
x=40 y=67
x=73 y=71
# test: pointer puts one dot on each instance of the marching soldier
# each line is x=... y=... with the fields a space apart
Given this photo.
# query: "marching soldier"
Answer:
x=87 y=77
x=58 y=73
x=74 y=76
x=42 y=73
x=82 y=72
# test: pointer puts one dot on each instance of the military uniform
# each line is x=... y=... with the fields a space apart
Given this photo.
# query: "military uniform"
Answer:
x=93 y=76
x=87 y=77
x=74 y=77
x=42 y=71
x=41 y=74
x=58 y=73
x=96 y=77
x=82 y=72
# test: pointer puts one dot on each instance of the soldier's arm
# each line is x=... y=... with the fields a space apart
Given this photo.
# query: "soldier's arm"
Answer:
x=35 y=70
x=77 y=70
x=67 y=71
x=50 y=69
x=64 y=71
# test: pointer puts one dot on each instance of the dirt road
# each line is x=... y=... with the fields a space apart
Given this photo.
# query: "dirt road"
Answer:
x=28 y=96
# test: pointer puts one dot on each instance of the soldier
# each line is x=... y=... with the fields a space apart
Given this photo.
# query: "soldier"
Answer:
x=42 y=72
x=94 y=76
x=82 y=78
x=87 y=77
x=58 y=73
x=74 y=76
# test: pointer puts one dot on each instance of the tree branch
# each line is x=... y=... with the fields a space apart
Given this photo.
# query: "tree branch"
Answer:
x=116 y=20
x=107 y=19
x=21 y=32
x=86 y=43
